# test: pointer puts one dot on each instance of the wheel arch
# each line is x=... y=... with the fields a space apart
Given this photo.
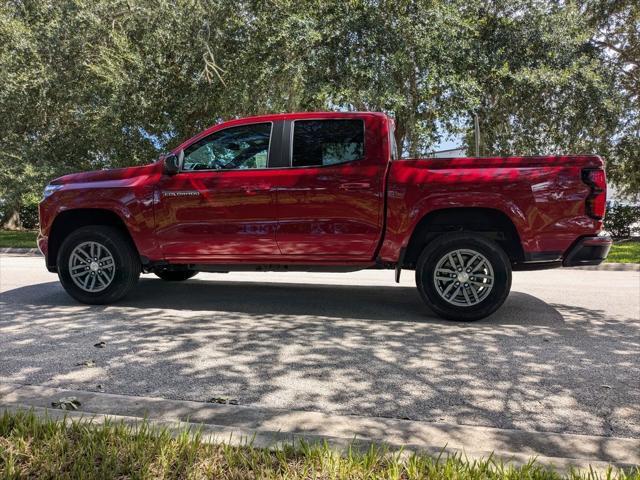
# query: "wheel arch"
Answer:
x=69 y=220
x=489 y=222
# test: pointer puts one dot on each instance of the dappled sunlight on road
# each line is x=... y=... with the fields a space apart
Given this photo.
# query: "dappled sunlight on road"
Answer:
x=349 y=349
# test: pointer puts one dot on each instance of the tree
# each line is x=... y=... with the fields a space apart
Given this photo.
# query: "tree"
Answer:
x=616 y=26
x=543 y=89
x=103 y=84
x=403 y=57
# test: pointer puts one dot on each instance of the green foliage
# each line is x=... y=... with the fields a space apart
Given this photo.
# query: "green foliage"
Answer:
x=86 y=85
x=542 y=89
x=32 y=447
x=616 y=34
x=622 y=221
x=29 y=215
x=29 y=210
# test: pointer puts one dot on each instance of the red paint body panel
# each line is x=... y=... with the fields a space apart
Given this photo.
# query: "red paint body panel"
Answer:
x=337 y=211
x=235 y=214
x=127 y=192
x=347 y=214
x=333 y=212
x=543 y=196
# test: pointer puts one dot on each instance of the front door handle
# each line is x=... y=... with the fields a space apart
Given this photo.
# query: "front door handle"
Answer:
x=355 y=186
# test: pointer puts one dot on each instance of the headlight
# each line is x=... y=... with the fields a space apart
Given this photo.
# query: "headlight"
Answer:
x=49 y=189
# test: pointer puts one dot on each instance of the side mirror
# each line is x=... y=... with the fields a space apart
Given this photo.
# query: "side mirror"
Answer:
x=172 y=163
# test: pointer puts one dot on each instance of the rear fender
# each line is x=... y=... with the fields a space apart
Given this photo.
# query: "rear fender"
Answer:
x=403 y=224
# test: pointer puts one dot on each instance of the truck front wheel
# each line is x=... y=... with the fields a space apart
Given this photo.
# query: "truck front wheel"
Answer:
x=463 y=276
x=98 y=264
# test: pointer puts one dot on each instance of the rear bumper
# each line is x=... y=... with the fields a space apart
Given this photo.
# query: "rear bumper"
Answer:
x=588 y=251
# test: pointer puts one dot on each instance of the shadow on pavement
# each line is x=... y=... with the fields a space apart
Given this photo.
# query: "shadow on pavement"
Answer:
x=364 y=350
x=391 y=303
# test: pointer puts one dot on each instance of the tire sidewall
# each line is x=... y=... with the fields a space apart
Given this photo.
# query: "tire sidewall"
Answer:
x=114 y=243
x=492 y=252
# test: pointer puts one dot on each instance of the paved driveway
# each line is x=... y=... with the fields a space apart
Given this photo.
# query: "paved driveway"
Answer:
x=562 y=355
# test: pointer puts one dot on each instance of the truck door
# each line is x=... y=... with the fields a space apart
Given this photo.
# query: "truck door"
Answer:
x=330 y=194
x=221 y=205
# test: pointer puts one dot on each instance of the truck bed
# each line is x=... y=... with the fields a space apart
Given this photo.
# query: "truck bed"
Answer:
x=544 y=197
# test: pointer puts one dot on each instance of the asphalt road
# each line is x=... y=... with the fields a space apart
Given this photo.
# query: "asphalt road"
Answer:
x=562 y=355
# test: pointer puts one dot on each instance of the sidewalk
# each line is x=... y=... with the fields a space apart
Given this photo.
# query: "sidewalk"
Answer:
x=271 y=427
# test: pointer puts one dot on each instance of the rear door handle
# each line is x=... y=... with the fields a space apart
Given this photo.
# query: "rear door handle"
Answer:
x=353 y=186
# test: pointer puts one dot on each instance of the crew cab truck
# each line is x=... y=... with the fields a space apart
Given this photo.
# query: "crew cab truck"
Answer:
x=326 y=192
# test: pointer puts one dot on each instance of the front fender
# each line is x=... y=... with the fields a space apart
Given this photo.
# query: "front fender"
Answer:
x=133 y=206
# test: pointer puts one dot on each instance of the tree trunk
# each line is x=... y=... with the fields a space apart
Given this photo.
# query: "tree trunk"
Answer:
x=11 y=220
x=400 y=133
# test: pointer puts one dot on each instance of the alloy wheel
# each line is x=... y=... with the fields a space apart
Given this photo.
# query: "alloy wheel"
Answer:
x=92 y=266
x=463 y=277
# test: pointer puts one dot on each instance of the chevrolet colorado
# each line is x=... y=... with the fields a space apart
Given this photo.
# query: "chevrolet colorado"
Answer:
x=327 y=192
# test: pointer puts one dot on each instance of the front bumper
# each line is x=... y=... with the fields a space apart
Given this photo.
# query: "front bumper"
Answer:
x=43 y=246
x=588 y=251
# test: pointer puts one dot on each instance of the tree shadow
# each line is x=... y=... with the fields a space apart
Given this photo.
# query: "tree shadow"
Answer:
x=357 y=350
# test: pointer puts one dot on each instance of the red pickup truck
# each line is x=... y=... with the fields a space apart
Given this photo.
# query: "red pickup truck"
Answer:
x=326 y=192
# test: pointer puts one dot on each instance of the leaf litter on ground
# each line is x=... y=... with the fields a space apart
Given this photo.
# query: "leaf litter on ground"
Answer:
x=86 y=363
x=67 y=403
x=223 y=401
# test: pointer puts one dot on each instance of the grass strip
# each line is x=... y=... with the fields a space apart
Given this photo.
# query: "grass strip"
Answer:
x=625 y=252
x=18 y=239
x=36 y=447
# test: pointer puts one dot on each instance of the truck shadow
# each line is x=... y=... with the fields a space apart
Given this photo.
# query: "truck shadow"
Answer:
x=393 y=303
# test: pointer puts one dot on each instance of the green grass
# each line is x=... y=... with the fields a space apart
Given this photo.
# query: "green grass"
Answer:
x=32 y=447
x=625 y=252
x=18 y=238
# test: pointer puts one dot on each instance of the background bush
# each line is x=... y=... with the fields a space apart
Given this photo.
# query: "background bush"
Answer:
x=29 y=211
x=622 y=221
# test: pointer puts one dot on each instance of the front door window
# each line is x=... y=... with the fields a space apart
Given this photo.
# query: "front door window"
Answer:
x=235 y=148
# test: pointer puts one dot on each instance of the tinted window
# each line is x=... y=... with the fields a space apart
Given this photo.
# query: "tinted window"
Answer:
x=327 y=142
x=233 y=148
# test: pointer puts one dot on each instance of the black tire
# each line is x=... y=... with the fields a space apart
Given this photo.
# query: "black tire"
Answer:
x=125 y=258
x=176 y=275
x=435 y=251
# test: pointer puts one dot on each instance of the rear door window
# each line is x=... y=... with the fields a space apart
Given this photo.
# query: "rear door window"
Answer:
x=318 y=143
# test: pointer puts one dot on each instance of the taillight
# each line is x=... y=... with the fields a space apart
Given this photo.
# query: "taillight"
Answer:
x=597 y=199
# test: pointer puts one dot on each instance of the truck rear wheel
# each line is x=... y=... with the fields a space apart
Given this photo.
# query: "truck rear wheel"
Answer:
x=463 y=276
x=175 y=275
x=98 y=264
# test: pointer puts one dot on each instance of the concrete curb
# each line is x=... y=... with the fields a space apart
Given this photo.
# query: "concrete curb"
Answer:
x=268 y=428
x=20 y=251
x=617 y=267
